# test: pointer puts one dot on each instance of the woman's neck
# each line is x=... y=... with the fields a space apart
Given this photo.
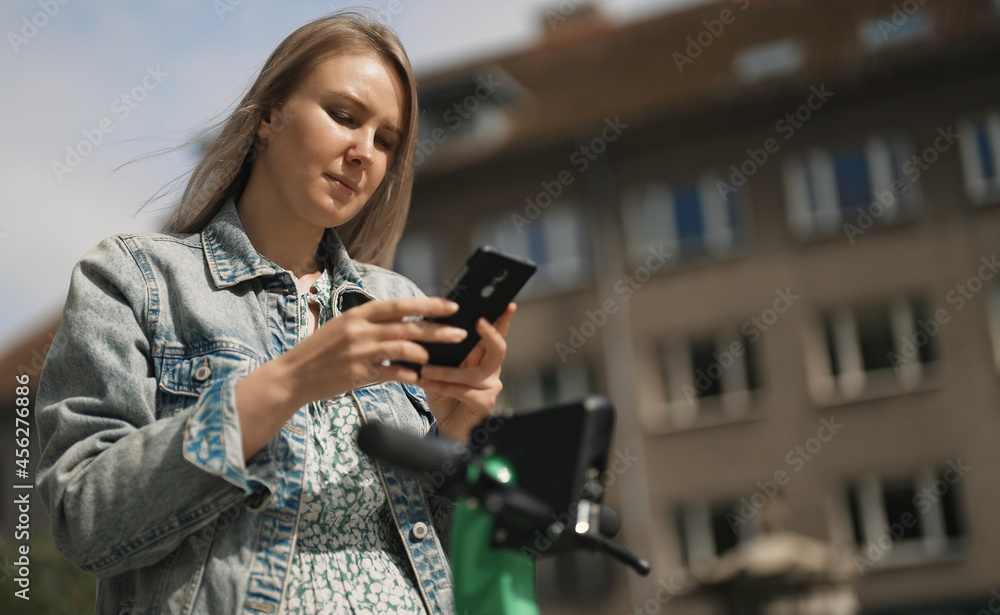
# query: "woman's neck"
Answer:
x=287 y=242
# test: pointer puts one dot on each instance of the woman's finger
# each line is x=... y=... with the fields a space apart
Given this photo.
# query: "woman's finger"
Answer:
x=394 y=310
x=378 y=356
x=421 y=331
x=399 y=373
x=494 y=344
x=503 y=323
x=478 y=354
x=479 y=400
x=468 y=376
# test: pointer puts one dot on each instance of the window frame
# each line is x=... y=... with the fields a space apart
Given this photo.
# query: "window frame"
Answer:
x=575 y=379
x=982 y=190
x=813 y=206
x=770 y=60
x=855 y=383
x=932 y=545
x=503 y=233
x=698 y=544
x=917 y=27
x=680 y=409
x=651 y=204
x=993 y=318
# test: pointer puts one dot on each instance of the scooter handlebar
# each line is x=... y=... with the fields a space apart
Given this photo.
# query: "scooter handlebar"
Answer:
x=417 y=455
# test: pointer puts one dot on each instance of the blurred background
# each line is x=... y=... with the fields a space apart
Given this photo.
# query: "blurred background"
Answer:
x=766 y=229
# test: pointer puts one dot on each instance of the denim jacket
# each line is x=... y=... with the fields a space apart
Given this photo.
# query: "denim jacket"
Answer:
x=142 y=468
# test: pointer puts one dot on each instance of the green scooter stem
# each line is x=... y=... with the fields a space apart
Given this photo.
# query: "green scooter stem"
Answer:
x=488 y=580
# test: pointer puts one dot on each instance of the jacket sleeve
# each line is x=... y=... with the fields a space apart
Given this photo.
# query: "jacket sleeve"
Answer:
x=122 y=488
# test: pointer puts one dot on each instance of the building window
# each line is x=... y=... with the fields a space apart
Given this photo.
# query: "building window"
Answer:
x=831 y=190
x=707 y=530
x=548 y=385
x=895 y=29
x=705 y=378
x=902 y=520
x=555 y=241
x=419 y=258
x=994 y=319
x=684 y=219
x=769 y=61
x=876 y=348
x=980 y=145
x=466 y=116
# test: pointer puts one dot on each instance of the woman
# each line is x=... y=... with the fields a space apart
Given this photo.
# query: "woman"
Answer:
x=200 y=399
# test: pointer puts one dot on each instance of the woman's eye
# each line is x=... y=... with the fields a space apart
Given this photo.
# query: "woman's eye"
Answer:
x=340 y=116
x=385 y=144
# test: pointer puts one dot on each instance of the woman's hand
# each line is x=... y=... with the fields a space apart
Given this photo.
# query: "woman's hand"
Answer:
x=347 y=352
x=462 y=397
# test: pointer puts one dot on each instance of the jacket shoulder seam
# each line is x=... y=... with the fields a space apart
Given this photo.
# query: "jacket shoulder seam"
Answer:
x=151 y=310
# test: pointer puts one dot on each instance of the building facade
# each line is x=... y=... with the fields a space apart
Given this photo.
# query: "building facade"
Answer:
x=769 y=232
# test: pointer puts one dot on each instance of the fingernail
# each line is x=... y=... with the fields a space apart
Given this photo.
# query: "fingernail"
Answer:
x=458 y=334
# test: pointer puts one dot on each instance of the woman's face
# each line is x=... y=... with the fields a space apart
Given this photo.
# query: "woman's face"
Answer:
x=329 y=145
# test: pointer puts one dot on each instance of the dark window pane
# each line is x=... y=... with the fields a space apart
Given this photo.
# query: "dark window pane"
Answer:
x=687 y=210
x=855 y=509
x=536 y=243
x=810 y=180
x=590 y=378
x=831 y=345
x=549 y=380
x=733 y=209
x=680 y=525
x=953 y=527
x=985 y=151
x=875 y=338
x=722 y=530
x=896 y=163
x=900 y=510
x=922 y=334
x=750 y=360
x=706 y=371
x=853 y=183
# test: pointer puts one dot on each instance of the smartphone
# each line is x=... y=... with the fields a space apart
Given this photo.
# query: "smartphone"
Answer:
x=482 y=289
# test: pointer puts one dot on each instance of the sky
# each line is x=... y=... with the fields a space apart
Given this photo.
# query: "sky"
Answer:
x=91 y=89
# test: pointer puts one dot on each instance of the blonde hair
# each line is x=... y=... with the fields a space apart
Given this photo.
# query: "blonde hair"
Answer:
x=372 y=235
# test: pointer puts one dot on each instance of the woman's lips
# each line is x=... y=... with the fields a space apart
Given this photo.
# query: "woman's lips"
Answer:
x=342 y=183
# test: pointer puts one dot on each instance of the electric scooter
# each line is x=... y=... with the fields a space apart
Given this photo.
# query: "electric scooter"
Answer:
x=526 y=486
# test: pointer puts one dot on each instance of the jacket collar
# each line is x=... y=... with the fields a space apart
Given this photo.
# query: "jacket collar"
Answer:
x=233 y=259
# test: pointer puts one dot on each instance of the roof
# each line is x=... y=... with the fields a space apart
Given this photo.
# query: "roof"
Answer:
x=582 y=71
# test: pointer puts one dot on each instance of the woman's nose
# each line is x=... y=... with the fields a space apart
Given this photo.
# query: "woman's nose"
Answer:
x=362 y=150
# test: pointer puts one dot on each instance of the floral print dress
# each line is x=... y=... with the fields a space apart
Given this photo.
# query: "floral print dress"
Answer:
x=348 y=557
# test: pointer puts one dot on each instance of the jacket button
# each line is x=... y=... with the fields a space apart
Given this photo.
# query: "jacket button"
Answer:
x=256 y=499
x=419 y=531
x=203 y=373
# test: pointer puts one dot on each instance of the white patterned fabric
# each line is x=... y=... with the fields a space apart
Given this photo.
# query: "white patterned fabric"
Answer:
x=348 y=557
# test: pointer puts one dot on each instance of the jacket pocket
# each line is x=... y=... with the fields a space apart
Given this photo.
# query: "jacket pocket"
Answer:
x=185 y=373
x=419 y=402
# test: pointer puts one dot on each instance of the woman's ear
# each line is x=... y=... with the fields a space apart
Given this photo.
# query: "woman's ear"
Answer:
x=265 y=127
x=276 y=119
